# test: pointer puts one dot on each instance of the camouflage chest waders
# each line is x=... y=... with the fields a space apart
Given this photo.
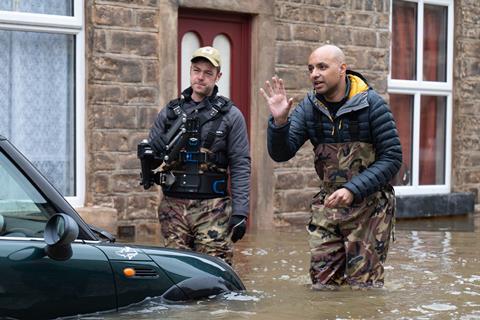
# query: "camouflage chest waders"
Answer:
x=198 y=225
x=348 y=245
x=196 y=208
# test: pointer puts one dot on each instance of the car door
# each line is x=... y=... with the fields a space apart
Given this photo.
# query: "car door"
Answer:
x=35 y=286
x=32 y=285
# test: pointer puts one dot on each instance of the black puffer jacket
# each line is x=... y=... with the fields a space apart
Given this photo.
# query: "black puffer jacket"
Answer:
x=364 y=109
x=231 y=140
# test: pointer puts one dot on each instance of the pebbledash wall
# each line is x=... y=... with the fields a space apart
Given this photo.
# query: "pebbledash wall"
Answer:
x=132 y=73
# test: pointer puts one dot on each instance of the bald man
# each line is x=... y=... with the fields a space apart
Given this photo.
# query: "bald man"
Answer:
x=357 y=152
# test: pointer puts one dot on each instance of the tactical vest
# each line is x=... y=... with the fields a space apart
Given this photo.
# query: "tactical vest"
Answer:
x=191 y=170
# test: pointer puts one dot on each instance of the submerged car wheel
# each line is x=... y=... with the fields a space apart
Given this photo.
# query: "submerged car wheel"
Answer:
x=198 y=288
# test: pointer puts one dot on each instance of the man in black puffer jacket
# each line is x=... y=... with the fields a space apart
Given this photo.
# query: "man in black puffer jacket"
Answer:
x=357 y=152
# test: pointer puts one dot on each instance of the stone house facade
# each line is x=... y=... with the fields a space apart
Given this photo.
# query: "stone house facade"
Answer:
x=131 y=72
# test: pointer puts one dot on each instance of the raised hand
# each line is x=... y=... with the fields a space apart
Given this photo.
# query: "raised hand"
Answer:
x=277 y=101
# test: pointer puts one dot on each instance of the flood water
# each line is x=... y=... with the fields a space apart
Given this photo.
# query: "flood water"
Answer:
x=432 y=272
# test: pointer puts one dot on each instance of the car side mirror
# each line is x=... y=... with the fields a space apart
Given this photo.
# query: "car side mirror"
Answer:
x=60 y=231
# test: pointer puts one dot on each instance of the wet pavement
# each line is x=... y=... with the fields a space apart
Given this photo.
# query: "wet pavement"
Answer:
x=432 y=272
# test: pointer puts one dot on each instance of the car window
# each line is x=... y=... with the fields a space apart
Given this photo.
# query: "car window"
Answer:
x=23 y=210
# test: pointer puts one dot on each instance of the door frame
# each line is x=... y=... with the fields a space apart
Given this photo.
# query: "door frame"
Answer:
x=240 y=91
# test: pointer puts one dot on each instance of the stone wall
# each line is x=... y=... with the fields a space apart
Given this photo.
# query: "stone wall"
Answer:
x=131 y=73
x=122 y=47
x=360 y=28
x=131 y=49
x=466 y=122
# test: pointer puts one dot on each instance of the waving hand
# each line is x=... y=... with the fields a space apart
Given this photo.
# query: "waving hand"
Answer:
x=277 y=101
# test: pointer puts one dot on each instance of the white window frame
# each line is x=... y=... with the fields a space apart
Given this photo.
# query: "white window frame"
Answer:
x=419 y=87
x=71 y=25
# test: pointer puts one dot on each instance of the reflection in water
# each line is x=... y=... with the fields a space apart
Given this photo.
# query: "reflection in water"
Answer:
x=430 y=274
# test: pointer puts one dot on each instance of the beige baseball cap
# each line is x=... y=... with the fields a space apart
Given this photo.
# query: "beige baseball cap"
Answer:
x=209 y=53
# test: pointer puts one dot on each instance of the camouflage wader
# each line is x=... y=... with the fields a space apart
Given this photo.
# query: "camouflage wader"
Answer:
x=348 y=245
x=198 y=225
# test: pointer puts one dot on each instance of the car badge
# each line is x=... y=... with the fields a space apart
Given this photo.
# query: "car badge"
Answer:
x=127 y=252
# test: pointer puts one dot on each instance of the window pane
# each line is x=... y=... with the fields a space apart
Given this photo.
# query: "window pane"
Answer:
x=22 y=207
x=18 y=197
x=190 y=43
x=402 y=109
x=37 y=101
x=56 y=7
x=404 y=40
x=222 y=43
x=435 y=43
x=432 y=140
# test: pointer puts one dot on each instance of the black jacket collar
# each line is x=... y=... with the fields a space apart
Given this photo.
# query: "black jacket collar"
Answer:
x=187 y=94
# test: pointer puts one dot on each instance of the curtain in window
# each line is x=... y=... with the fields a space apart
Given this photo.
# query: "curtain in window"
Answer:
x=57 y=7
x=432 y=119
x=404 y=42
x=402 y=109
x=36 y=101
x=432 y=140
x=404 y=67
x=435 y=43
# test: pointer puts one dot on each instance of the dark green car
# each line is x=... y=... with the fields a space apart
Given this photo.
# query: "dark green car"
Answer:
x=53 y=264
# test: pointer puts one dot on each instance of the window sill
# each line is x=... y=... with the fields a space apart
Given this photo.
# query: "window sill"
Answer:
x=435 y=205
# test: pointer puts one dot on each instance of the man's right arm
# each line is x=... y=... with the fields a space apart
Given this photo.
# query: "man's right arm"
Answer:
x=284 y=141
x=285 y=135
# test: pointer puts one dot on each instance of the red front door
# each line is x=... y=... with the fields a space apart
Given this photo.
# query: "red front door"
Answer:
x=234 y=29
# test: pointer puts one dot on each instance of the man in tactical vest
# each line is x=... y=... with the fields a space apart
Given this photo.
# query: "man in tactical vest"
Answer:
x=357 y=153
x=202 y=140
